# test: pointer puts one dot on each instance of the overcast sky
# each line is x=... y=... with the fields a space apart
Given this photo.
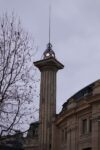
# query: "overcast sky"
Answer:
x=75 y=36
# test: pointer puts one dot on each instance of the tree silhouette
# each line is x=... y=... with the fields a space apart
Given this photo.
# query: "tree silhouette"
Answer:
x=16 y=73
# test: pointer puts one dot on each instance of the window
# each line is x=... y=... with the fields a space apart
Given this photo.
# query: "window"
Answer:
x=62 y=136
x=90 y=125
x=84 y=126
x=65 y=135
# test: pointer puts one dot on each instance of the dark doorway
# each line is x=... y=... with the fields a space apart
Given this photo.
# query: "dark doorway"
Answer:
x=87 y=148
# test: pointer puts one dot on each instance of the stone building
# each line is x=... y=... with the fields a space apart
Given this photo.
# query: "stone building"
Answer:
x=77 y=126
x=12 y=142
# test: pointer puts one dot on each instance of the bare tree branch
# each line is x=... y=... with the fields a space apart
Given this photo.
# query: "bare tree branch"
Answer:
x=16 y=73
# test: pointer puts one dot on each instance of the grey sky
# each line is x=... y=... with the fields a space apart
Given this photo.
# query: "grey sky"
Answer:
x=75 y=37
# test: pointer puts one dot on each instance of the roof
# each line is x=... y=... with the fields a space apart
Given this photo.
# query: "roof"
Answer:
x=35 y=123
x=80 y=94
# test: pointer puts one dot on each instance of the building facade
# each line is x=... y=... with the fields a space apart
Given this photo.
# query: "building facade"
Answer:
x=78 y=124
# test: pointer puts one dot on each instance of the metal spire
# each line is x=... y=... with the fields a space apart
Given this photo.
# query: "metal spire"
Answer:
x=49 y=23
x=49 y=52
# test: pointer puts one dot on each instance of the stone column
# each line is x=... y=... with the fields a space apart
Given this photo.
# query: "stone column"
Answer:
x=47 y=112
x=95 y=125
x=95 y=135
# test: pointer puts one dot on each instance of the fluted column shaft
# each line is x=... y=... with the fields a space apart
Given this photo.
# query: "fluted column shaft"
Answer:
x=47 y=107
